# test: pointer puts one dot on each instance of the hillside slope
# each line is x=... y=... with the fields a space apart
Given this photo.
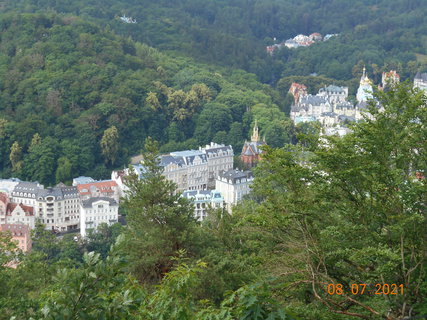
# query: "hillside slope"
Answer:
x=69 y=81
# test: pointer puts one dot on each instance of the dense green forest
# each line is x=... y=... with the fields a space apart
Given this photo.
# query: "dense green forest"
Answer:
x=81 y=92
x=382 y=34
x=351 y=213
x=76 y=99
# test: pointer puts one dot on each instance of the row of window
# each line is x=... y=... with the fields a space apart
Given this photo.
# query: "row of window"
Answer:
x=101 y=218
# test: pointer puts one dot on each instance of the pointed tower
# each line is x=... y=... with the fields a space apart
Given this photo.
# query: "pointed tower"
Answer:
x=251 y=153
x=255 y=133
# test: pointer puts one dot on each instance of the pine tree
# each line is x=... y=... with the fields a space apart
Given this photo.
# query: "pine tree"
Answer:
x=160 y=221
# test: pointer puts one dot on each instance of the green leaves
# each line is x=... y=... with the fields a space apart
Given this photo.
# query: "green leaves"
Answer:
x=350 y=212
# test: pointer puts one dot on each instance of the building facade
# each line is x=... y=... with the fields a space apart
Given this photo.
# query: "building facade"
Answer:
x=21 y=234
x=203 y=200
x=420 y=81
x=220 y=158
x=189 y=169
x=95 y=211
x=57 y=207
x=13 y=213
x=234 y=185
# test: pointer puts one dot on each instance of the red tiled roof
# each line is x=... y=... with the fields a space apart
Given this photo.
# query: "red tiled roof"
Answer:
x=102 y=186
x=29 y=211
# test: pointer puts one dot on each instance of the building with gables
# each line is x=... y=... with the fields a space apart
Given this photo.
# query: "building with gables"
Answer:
x=16 y=213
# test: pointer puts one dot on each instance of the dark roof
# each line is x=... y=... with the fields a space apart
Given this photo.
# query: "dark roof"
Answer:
x=89 y=202
x=313 y=100
x=234 y=174
x=251 y=148
x=39 y=191
x=168 y=159
x=218 y=149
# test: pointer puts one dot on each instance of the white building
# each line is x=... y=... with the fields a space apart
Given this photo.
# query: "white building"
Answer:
x=420 y=81
x=203 y=200
x=57 y=207
x=234 y=185
x=13 y=213
x=95 y=211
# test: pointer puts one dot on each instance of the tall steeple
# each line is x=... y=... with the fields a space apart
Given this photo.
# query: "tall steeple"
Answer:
x=255 y=133
x=364 y=92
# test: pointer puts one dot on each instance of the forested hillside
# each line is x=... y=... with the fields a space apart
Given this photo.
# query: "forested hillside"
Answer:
x=382 y=34
x=76 y=99
x=333 y=230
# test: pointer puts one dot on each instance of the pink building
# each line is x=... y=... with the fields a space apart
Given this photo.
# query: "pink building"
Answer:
x=20 y=234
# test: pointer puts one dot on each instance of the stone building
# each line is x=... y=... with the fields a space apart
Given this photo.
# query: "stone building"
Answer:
x=189 y=169
x=220 y=158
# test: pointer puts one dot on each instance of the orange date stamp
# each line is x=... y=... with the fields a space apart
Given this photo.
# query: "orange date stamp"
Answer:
x=365 y=289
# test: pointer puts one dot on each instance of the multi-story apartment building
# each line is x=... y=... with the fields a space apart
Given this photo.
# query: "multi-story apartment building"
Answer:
x=233 y=185
x=220 y=158
x=95 y=211
x=57 y=207
x=189 y=169
x=203 y=200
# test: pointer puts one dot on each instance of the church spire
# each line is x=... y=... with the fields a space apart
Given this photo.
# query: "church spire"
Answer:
x=255 y=133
